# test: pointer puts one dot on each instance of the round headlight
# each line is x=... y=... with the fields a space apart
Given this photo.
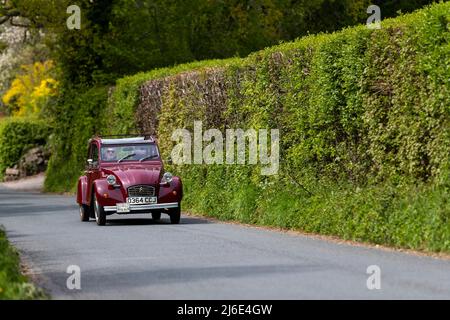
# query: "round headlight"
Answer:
x=111 y=179
x=167 y=177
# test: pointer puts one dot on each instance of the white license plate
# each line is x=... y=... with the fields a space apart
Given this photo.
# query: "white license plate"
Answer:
x=123 y=208
x=142 y=200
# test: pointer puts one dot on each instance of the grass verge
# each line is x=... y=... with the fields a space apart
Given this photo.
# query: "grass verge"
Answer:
x=13 y=284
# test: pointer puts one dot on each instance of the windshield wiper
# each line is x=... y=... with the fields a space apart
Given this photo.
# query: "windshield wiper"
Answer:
x=149 y=157
x=127 y=156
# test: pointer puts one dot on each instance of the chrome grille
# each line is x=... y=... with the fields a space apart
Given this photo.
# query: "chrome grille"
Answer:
x=141 y=191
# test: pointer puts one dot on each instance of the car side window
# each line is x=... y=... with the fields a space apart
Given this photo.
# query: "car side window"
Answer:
x=94 y=153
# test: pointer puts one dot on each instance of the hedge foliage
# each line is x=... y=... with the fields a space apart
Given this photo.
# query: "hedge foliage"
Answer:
x=17 y=135
x=364 y=123
x=80 y=116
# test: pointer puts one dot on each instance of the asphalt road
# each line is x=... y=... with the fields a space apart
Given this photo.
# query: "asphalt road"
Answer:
x=135 y=258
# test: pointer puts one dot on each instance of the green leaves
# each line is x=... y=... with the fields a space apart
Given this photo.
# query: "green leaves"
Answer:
x=17 y=135
x=80 y=116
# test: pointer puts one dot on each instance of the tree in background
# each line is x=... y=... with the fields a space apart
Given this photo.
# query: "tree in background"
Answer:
x=122 y=37
x=390 y=8
x=23 y=40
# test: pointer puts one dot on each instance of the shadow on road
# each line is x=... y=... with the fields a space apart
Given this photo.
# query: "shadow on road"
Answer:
x=111 y=279
x=29 y=210
x=150 y=221
x=18 y=203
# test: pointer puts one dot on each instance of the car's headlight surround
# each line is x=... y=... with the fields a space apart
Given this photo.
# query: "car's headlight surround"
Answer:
x=111 y=179
x=167 y=177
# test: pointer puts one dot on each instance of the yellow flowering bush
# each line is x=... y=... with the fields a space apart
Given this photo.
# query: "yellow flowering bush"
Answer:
x=31 y=90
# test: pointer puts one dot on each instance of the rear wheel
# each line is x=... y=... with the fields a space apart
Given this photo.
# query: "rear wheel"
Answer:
x=156 y=216
x=100 y=215
x=84 y=212
x=175 y=215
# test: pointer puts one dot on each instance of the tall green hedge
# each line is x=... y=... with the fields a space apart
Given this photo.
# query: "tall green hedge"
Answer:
x=17 y=135
x=80 y=116
x=364 y=120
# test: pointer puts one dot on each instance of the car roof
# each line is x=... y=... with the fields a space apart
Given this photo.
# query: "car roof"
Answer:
x=126 y=141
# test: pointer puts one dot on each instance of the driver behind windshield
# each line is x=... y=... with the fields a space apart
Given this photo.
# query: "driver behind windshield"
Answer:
x=110 y=154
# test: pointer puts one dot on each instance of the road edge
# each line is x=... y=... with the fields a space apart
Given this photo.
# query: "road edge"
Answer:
x=327 y=238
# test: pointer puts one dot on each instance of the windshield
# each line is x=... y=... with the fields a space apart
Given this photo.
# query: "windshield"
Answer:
x=137 y=152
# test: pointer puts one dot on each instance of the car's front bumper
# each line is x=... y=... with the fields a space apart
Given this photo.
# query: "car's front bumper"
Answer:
x=143 y=208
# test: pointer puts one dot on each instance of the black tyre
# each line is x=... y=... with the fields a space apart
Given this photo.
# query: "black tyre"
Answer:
x=84 y=213
x=156 y=216
x=175 y=215
x=100 y=215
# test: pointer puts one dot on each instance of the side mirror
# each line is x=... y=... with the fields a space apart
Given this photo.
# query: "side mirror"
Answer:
x=89 y=163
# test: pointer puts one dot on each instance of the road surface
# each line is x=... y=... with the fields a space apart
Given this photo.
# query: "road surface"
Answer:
x=136 y=258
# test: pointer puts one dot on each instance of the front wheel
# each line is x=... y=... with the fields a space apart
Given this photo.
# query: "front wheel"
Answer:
x=175 y=215
x=100 y=214
x=84 y=213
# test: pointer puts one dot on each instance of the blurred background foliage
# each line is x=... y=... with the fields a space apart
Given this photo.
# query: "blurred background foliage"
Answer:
x=31 y=90
x=123 y=37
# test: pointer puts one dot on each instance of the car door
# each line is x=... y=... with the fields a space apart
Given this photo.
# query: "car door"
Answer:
x=93 y=170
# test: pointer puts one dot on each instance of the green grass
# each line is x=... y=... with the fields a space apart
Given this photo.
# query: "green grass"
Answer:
x=402 y=215
x=14 y=285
